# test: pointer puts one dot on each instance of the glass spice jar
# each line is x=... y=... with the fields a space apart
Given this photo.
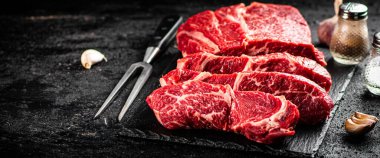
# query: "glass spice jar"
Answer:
x=372 y=70
x=349 y=42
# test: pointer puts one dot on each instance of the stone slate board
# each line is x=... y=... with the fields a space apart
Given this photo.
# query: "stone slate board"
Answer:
x=140 y=121
x=48 y=100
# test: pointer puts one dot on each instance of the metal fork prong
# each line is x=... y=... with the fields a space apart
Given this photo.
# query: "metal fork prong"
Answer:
x=117 y=88
x=147 y=70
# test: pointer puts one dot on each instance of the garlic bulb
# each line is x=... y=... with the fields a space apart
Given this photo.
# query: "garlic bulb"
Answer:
x=360 y=123
x=326 y=27
x=90 y=57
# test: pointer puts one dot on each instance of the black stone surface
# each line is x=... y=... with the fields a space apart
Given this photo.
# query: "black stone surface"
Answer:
x=47 y=98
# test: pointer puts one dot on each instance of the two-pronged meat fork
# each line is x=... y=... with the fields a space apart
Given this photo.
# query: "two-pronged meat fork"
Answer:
x=163 y=36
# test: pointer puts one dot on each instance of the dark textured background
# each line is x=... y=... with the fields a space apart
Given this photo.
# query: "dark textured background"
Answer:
x=47 y=99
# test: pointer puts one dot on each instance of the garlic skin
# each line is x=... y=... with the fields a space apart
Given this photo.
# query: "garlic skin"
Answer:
x=360 y=123
x=90 y=57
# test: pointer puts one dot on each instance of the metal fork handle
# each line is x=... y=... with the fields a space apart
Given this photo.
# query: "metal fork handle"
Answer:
x=162 y=37
x=152 y=52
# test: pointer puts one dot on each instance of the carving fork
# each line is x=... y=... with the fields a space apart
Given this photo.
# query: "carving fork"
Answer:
x=163 y=36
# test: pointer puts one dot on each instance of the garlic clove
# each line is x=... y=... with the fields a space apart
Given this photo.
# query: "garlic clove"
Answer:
x=354 y=128
x=90 y=57
x=360 y=123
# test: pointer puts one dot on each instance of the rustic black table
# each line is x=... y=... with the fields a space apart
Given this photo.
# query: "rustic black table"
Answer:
x=44 y=113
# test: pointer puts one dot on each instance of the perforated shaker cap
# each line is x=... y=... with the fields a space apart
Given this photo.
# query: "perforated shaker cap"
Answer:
x=376 y=40
x=353 y=11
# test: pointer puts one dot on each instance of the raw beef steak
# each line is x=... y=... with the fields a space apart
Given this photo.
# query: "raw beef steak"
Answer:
x=259 y=116
x=277 y=62
x=253 y=30
x=313 y=102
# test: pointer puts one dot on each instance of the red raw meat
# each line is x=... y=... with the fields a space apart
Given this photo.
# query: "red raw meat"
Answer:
x=313 y=101
x=259 y=116
x=276 y=62
x=253 y=30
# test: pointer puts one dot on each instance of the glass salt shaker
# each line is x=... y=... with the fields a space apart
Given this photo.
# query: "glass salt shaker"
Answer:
x=349 y=42
x=372 y=70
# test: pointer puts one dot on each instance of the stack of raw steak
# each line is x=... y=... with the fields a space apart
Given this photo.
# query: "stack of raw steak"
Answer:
x=249 y=70
x=259 y=116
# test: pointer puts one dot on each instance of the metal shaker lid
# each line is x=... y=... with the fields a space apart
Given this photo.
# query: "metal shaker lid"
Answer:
x=376 y=40
x=353 y=11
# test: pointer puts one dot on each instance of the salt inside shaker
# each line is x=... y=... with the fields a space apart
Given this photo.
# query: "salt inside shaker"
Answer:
x=372 y=70
x=349 y=42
